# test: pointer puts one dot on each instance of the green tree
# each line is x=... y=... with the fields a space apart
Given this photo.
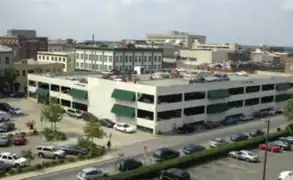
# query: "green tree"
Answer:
x=10 y=76
x=29 y=155
x=288 y=113
x=52 y=113
x=93 y=130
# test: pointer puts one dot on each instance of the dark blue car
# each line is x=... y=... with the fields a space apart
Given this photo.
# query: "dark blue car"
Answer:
x=230 y=121
x=238 y=137
x=18 y=95
x=191 y=148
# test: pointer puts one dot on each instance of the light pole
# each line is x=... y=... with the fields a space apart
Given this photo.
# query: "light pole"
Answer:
x=266 y=151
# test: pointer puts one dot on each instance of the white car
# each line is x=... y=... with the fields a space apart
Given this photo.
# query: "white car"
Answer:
x=283 y=175
x=244 y=155
x=13 y=159
x=16 y=110
x=217 y=142
x=91 y=173
x=74 y=113
x=124 y=127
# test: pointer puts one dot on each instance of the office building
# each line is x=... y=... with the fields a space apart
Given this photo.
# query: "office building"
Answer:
x=6 y=58
x=67 y=59
x=228 y=46
x=204 y=55
x=159 y=104
x=120 y=58
x=22 y=32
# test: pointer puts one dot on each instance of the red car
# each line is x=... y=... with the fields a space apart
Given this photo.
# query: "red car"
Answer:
x=270 y=147
x=210 y=125
x=19 y=139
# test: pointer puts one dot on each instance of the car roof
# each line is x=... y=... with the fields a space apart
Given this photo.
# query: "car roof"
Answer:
x=90 y=169
x=7 y=153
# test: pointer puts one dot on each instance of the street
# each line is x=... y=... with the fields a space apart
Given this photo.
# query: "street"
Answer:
x=176 y=142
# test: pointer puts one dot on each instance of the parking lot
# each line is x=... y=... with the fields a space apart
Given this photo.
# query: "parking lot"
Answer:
x=228 y=168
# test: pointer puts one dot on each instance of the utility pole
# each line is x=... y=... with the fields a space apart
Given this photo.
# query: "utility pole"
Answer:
x=266 y=151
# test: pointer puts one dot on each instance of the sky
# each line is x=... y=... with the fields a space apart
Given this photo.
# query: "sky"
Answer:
x=250 y=22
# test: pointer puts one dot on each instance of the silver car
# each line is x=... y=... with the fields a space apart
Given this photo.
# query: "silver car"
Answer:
x=217 y=142
x=244 y=155
x=91 y=173
x=4 y=140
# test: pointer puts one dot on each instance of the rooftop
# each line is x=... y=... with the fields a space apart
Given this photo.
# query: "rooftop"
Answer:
x=118 y=48
x=5 y=48
x=57 y=42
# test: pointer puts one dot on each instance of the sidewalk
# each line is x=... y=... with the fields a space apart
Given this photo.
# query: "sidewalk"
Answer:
x=56 y=169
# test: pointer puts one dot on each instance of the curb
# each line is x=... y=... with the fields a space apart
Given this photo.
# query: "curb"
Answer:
x=56 y=169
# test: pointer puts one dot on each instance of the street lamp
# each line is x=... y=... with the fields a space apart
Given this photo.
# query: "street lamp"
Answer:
x=266 y=151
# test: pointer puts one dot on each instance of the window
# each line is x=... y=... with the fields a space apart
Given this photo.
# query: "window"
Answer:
x=145 y=59
x=139 y=58
x=194 y=111
x=235 y=91
x=130 y=58
x=150 y=58
x=267 y=99
x=268 y=87
x=81 y=56
x=155 y=58
x=111 y=58
x=126 y=58
x=64 y=59
x=23 y=73
x=159 y=58
x=194 y=96
x=252 y=102
x=32 y=83
x=81 y=65
x=77 y=64
x=235 y=104
x=86 y=57
x=252 y=89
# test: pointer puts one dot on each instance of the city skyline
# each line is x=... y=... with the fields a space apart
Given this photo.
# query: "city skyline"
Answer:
x=242 y=21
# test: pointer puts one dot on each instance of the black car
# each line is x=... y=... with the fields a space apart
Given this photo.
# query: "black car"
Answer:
x=185 y=129
x=5 y=107
x=191 y=148
x=256 y=133
x=7 y=127
x=127 y=164
x=175 y=173
x=238 y=137
x=74 y=150
x=18 y=95
x=164 y=154
x=283 y=145
x=106 y=123
x=5 y=167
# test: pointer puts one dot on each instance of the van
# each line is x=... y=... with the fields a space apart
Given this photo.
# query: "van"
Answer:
x=175 y=174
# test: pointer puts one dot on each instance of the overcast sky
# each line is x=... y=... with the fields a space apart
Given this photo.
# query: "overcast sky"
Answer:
x=242 y=21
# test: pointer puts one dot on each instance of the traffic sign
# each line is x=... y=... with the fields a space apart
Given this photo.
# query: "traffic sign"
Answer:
x=145 y=147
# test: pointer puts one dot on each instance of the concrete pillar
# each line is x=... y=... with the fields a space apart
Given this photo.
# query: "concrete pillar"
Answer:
x=155 y=128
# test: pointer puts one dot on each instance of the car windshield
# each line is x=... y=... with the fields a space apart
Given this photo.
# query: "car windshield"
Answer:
x=15 y=157
x=82 y=174
x=250 y=154
x=126 y=125
x=55 y=149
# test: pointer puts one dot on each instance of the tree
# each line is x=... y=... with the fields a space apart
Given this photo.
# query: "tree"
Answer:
x=52 y=113
x=288 y=111
x=10 y=76
x=28 y=154
x=93 y=130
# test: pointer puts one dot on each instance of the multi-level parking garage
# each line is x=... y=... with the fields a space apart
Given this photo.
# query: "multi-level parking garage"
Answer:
x=159 y=104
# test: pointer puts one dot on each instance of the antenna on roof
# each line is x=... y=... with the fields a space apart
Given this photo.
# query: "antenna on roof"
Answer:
x=93 y=39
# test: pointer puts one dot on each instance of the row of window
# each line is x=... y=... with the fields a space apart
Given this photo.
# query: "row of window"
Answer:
x=52 y=58
x=109 y=67
x=25 y=72
x=5 y=60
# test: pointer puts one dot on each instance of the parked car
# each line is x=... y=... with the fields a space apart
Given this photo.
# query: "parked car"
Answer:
x=283 y=145
x=19 y=139
x=191 y=148
x=7 y=127
x=127 y=164
x=5 y=107
x=50 y=152
x=16 y=111
x=89 y=116
x=4 y=116
x=4 y=168
x=74 y=113
x=261 y=114
x=246 y=118
x=124 y=127
x=217 y=142
x=107 y=123
x=238 y=137
x=256 y=133
x=164 y=154
x=210 y=125
x=270 y=147
x=244 y=155
x=185 y=129
x=285 y=174
x=18 y=95
x=175 y=173
x=13 y=160
x=4 y=140
x=71 y=149
x=230 y=121
x=91 y=173
x=288 y=139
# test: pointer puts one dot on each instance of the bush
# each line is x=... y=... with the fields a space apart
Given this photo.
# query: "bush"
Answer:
x=95 y=150
x=39 y=166
x=71 y=159
x=194 y=159
x=51 y=135
x=47 y=164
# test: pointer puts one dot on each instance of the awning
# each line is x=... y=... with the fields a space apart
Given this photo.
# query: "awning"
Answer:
x=120 y=110
x=123 y=95
x=78 y=94
x=283 y=86
x=218 y=94
x=42 y=92
x=281 y=97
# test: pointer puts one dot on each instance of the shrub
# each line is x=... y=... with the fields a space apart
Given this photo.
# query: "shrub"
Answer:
x=38 y=166
x=51 y=135
x=47 y=164
x=54 y=163
x=194 y=159
x=71 y=159
x=61 y=161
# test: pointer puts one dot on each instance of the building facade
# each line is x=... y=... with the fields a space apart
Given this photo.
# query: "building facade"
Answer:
x=204 y=55
x=30 y=46
x=184 y=37
x=123 y=59
x=67 y=59
x=6 y=58
x=22 y=32
x=158 y=106
x=228 y=46
x=25 y=67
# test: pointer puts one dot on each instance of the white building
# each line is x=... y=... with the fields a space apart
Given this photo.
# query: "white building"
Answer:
x=6 y=56
x=227 y=47
x=65 y=58
x=106 y=59
x=162 y=104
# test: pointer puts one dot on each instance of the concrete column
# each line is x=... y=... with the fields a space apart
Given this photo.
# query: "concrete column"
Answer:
x=155 y=128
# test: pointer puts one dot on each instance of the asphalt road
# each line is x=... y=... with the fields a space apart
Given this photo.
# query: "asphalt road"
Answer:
x=175 y=142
